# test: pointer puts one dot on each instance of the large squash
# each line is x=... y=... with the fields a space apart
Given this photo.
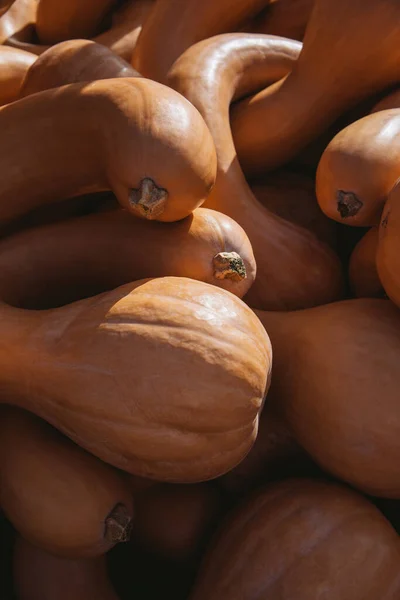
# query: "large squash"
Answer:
x=387 y=257
x=14 y=64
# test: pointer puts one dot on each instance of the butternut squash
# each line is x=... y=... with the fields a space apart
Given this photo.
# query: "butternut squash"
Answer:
x=53 y=261
x=387 y=257
x=336 y=377
x=391 y=100
x=74 y=61
x=286 y=18
x=359 y=168
x=14 y=65
x=174 y=521
x=173 y=26
x=363 y=274
x=163 y=378
x=294 y=269
x=154 y=150
x=340 y=65
x=56 y=495
x=19 y=21
x=4 y=6
x=58 y=21
x=303 y=539
x=41 y=576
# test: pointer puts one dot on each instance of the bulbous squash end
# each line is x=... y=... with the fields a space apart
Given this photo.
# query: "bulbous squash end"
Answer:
x=148 y=201
x=118 y=525
x=229 y=265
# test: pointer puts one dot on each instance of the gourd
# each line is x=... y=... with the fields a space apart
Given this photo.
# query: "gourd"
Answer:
x=74 y=61
x=363 y=274
x=293 y=268
x=162 y=378
x=173 y=27
x=340 y=65
x=359 y=168
x=53 y=261
x=387 y=257
x=42 y=576
x=56 y=495
x=156 y=153
x=302 y=539
x=286 y=18
x=336 y=378
x=59 y=21
x=14 y=65
x=19 y=21
x=5 y=5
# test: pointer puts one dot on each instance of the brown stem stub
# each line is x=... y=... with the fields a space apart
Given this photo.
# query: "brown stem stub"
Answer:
x=229 y=265
x=148 y=200
x=118 y=525
x=348 y=204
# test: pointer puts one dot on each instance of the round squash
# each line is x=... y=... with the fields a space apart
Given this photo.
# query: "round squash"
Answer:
x=163 y=378
x=55 y=494
x=336 y=377
x=303 y=539
x=359 y=168
x=340 y=65
x=294 y=269
x=61 y=20
x=363 y=274
x=156 y=152
x=74 y=61
x=286 y=18
x=14 y=64
x=53 y=261
x=41 y=576
x=387 y=257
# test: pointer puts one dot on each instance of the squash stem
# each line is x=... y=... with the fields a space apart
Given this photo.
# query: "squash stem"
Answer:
x=229 y=265
x=118 y=525
x=148 y=200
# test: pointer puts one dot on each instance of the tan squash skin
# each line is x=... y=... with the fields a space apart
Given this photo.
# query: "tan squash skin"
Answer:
x=74 y=61
x=363 y=274
x=14 y=65
x=41 y=576
x=162 y=378
x=173 y=26
x=303 y=539
x=336 y=377
x=392 y=100
x=53 y=261
x=359 y=168
x=387 y=257
x=293 y=268
x=340 y=65
x=286 y=18
x=5 y=5
x=55 y=494
x=19 y=21
x=121 y=38
x=156 y=153
x=174 y=521
x=58 y=20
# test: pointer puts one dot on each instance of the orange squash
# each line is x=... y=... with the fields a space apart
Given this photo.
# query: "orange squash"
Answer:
x=19 y=21
x=163 y=378
x=363 y=274
x=387 y=257
x=303 y=539
x=53 y=261
x=294 y=269
x=58 y=21
x=391 y=100
x=156 y=153
x=359 y=168
x=340 y=65
x=5 y=5
x=336 y=377
x=56 y=495
x=174 y=26
x=41 y=576
x=14 y=65
x=74 y=61
x=286 y=18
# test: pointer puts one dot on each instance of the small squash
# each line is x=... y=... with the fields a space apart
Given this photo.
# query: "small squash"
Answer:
x=42 y=576
x=155 y=153
x=55 y=494
x=163 y=378
x=336 y=378
x=359 y=168
x=58 y=20
x=387 y=257
x=303 y=539
x=14 y=64
x=74 y=61
x=363 y=274
x=294 y=269
x=286 y=18
x=340 y=65
x=53 y=261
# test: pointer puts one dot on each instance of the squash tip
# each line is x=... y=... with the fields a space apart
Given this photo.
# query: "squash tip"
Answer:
x=118 y=525
x=229 y=265
x=348 y=204
x=148 y=200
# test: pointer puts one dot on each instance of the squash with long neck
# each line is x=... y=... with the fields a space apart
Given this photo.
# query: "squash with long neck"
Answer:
x=294 y=269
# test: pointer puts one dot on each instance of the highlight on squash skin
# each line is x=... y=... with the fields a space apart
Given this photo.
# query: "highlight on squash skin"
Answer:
x=363 y=274
x=14 y=64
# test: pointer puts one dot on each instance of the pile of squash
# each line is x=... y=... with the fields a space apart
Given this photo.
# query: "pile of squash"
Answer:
x=200 y=299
